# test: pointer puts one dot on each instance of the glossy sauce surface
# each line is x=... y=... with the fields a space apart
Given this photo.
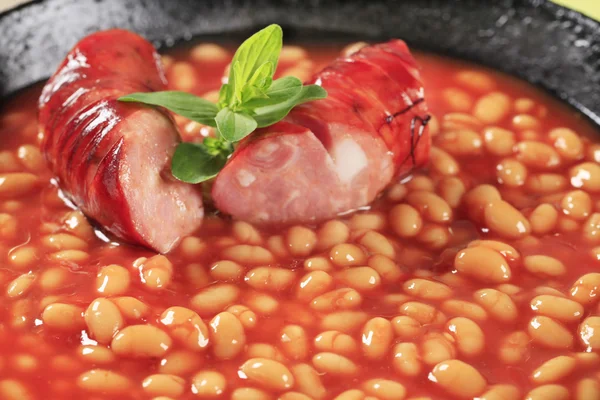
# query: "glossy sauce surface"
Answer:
x=477 y=276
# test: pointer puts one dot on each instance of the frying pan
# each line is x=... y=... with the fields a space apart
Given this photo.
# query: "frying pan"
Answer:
x=545 y=44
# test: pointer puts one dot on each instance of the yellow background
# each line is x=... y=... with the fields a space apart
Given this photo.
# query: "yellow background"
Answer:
x=589 y=7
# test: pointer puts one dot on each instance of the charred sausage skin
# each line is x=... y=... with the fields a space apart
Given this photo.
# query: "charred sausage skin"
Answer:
x=333 y=155
x=112 y=158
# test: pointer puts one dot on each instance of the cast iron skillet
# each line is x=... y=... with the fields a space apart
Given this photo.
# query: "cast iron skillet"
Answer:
x=547 y=45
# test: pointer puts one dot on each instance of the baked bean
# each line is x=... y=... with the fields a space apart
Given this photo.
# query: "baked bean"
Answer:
x=557 y=307
x=427 y=289
x=452 y=190
x=130 y=307
x=525 y=122
x=405 y=220
x=498 y=305
x=334 y=364
x=163 y=385
x=468 y=336
x=301 y=241
x=586 y=290
x=180 y=362
x=215 y=298
x=420 y=183
x=64 y=241
x=141 y=341
x=352 y=394
x=227 y=335
x=476 y=80
x=548 y=392
x=103 y=381
x=25 y=363
x=197 y=275
x=384 y=389
x=267 y=373
x=312 y=285
x=500 y=392
x=431 y=206
x=577 y=204
x=8 y=162
x=377 y=335
x=511 y=173
x=353 y=48
x=546 y=183
x=76 y=223
x=387 y=269
x=423 y=313
x=20 y=285
x=156 y=272
x=407 y=360
x=318 y=264
x=8 y=226
x=208 y=384
x=186 y=326
x=434 y=236
x=112 y=280
x=345 y=321
x=567 y=143
x=335 y=342
x=17 y=184
x=492 y=107
x=182 y=76
x=553 y=370
x=63 y=317
x=466 y=309
x=398 y=191
x=436 y=348
x=457 y=100
x=346 y=255
x=586 y=176
x=566 y=225
x=73 y=256
x=508 y=251
x=332 y=233
x=103 y=320
x=544 y=265
x=262 y=303
x=371 y=221
x=587 y=389
x=249 y=393
x=246 y=254
x=23 y=257
x=589 y=333
x=478 y=198
x=458 y=378
x=246 y=233
x=483 y=264
x=547 y=332
x=443 y=163
x=225 y=270
x=209 y=53
x=543 y=219
x=270 y=278
x=308 y=381
x=591 y=228
x=294 y=342
x=362 y=279
x=192 y=247
x=246 y=316
x=537 y=154
x=502 y=218
x=498 y=141
x=376 y=243
x=96 y=354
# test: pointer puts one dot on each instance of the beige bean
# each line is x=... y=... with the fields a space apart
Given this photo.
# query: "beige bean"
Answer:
x=208 y=384
x=436 y=348
x=185 y=326
x=468 y=336
x=313 y=284
x=103 y=381
x=587 y=389
x=270 y=278
x=376 y=338
x=548 y=392
x=334 y=364
x=466 y=309
x=483 y=264
x=546 y=184
x=294 y=342
x=308 y=381
x=192 y=247
x=130 y=307
x=427 y=289
x=73 y=256
x=544 y=265
x=511 y=173
x=215 y=298
x=478 y=198
x=457 y=99
x=443 y=163
x=262 y=303
x=452 y=190
x=246 y=316
x=141 y=341
x=301 y=241
x=405 y=220
x=407 y=360
x=17 y=184
x=537 y=154
x=586 y=289
x=246 y=254
x=20 y=286
x=332 y=233
x=577 y=204
x=12 y=389
x=476 y=80
x=250 y=393
x=227 y=335
x=387 y=269
x=264 y=350
x=209 y=53
x=398 y=191
x=344 y=321
x=338 y=299
x=431 y=206
x=376 y=243
x=498 y=141
x=335 y=342
x=346 y=255
x=226 y=270
x=501 y=392
x=557 y=307
x=103 y=320
x=497 y=304
x=514 y=348
x=163 y=385
x=547 y=332
x=363 y=279
x=553 y=370
x=591 y=228
x=64 y=241
x=423 y=313
x=492 y=107
x=372 y=221
x=63 y=317
x=183 y=76
x=112 y=280
x=458 y=379
x=586 y=176
x=156 y=272
x=543 y=219
x=246 y=233
x=180 y=362
x=22 y=257
x=460 y=142
x=96 y=354
x=589 y=333
x=267 y=373
x=384 y=389
x=502 y=218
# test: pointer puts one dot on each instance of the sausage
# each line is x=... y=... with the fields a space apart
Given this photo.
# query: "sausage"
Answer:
x=111 y=158
x=337 y=154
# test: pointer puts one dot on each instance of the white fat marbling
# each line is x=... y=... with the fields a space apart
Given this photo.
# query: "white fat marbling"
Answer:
x=350 y=160
x=245 y=178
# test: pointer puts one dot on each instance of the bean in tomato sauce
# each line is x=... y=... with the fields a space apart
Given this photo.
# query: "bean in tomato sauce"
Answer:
x=474 y=278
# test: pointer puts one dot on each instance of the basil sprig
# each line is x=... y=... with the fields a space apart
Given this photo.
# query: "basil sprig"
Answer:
x=250 y=99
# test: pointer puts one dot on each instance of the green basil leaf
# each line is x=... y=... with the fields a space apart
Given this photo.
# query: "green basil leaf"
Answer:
x=252 y=92
x=260 y=48
x=195 y=163
x=282 y=89
x=263 y=76
x=268 y=115
x=223 y=95
x=182 y=103
x=234 y=126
